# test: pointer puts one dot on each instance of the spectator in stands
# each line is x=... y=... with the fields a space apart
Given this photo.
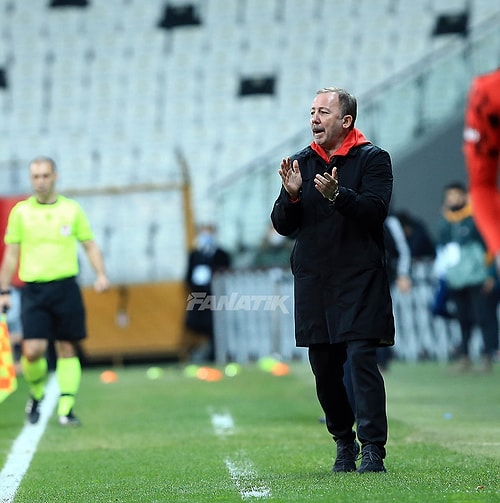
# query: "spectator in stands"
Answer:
x=419 y=239
x=482 y=155
x=42 y=235
x=470 y=281
x=398 y=254
x=205 y=260
x=335 y=196
x=399 y=270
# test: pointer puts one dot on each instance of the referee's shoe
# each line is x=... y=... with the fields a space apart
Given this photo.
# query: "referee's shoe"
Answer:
x=33 y=410
x=69 y=420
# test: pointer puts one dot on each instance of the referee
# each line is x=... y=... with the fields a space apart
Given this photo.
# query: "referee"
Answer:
x=42 y=236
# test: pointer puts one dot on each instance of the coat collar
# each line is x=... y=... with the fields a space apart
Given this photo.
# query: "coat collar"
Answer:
x=353 y=139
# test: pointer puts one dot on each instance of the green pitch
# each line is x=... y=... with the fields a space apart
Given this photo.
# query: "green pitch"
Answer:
x=257 y=437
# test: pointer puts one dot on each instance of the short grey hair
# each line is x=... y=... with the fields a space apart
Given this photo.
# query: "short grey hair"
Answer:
x=43 y=158
x=348 y=103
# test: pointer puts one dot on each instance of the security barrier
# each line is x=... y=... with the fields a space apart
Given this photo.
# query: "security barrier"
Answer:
x=253 y=317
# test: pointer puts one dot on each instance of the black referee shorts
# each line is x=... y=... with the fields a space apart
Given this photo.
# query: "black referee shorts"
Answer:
x=53 y=310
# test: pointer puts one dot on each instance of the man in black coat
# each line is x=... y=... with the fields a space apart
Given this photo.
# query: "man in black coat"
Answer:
x=335 y=197
x=204 y=261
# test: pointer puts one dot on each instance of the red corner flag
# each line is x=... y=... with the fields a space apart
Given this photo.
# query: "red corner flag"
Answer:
x=8 y=380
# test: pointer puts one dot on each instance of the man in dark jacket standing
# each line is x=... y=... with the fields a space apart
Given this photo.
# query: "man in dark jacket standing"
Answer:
x=335 y=197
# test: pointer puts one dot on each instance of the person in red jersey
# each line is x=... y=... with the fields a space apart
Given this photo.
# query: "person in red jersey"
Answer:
x=481 y=149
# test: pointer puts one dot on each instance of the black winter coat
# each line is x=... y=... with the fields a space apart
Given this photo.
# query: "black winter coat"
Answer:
x=201 y=320
x=338 y=261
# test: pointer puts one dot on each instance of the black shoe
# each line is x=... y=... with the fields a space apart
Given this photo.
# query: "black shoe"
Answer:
x=347 y=453
x=371 y=460
x=69 y=420
x=33 y=410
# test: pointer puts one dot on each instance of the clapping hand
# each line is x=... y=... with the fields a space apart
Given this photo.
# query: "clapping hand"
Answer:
x=290 y=177
x=327 y=184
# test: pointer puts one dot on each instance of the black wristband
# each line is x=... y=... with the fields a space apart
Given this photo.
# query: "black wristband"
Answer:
x=5 y=292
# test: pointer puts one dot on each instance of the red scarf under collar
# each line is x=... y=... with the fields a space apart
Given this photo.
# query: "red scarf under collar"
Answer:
x=353 y=139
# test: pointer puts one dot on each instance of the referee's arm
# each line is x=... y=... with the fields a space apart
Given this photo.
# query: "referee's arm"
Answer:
x=97 y=262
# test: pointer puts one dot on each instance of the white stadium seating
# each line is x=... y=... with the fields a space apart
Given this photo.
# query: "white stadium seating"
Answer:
x=111 y=96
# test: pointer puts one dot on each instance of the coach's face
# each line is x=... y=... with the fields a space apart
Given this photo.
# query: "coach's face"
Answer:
x=43 y=180
x=329 y=127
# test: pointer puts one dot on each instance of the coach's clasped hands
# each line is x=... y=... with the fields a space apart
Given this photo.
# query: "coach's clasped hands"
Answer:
x=327 y=184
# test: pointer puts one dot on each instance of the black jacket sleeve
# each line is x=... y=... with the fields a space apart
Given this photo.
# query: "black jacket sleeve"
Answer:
x=286 y=215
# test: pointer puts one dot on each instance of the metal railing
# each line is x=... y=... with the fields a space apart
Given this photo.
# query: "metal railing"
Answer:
x=253 y=318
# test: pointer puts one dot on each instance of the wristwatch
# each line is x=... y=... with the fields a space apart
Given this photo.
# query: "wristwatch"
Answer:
x=335 y=194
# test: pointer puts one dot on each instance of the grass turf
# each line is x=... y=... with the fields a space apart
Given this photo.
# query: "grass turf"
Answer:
x=150 y=441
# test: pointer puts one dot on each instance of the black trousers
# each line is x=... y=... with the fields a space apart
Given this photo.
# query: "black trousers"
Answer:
x=476 y=307
x=368 y=388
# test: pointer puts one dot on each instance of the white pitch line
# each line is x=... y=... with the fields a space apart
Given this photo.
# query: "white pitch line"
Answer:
x=24 y=447
x=223 y=424
x=246 y=480
x=240 y=468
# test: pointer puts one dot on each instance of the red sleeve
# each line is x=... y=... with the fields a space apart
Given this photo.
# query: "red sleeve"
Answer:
x=482 y=155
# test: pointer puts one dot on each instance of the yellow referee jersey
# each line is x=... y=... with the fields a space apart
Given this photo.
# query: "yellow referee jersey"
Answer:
x=48 y=235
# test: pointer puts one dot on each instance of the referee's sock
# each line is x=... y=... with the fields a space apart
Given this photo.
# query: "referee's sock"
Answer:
x=69 y=374
x=35 y=374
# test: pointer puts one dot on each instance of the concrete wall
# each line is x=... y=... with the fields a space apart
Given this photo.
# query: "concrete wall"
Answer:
x=421 y=173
